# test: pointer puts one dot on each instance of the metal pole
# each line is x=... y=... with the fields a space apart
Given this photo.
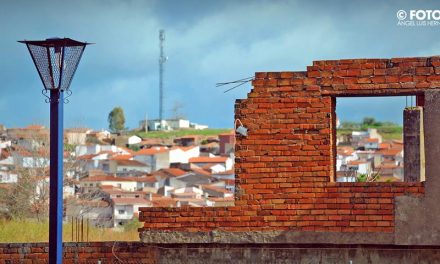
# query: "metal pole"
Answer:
x=76 y=233
x=162 y=60
x=72 y=228
x=56 y=177
x=82 y=229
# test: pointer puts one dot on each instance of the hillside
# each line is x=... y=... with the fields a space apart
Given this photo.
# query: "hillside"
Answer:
x=388 y=130
x=183 y=132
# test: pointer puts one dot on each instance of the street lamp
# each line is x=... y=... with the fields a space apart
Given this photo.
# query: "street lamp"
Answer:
x=56 y=61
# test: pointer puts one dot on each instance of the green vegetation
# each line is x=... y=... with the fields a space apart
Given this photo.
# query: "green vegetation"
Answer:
x=182 y=132
x=116 y=119
x=134 y=147
x=388 y=130
x=69 y=147
x=365 y=178
x=12 y=231
x=362 y=178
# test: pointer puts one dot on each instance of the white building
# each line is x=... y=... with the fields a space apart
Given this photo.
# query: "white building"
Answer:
x=133 y=140
x=183 y=154
x=345 y=155
x=358 y=136
x=8 y=177
x=198 y=126
x=118 y=166
x=76 y=136
x=168 y=124
x=371 y=143
x=92 y=183
x=360 y=166
x=93 y=161
x=161 y=157
x=156 y=158
x=171 y=124
x=372 y=132
x=211 y=161
x=125 y=208
x=81 y=150
x=26 y=159
x=5 y=144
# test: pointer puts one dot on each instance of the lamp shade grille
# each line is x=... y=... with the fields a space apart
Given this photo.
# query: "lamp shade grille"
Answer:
x=56 y=61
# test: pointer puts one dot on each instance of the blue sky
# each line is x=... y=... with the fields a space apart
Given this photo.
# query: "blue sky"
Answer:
x=206 y=41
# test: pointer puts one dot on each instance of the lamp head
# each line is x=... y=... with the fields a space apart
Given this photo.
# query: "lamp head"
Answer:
x=56 y=60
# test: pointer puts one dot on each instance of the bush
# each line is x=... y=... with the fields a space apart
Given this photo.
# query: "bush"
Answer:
x=362 y=178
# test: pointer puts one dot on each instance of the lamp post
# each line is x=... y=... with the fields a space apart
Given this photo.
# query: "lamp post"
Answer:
x=56 y=61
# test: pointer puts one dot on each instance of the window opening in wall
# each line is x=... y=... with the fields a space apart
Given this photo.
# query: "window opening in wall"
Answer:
x=369 y=138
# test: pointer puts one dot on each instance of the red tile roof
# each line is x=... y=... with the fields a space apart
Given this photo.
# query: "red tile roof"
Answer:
x=151 y=151
x=149 y=179
x=121 y=157
x=175 y=172
x=131 y=201
x=87 y=156
x=163 y=202
x=385 y=145
x=345 y=151
x=130 y=163
x=391 y=152
x=208 y=160
x=34 y=127
x=105 y=178
x=356 y=162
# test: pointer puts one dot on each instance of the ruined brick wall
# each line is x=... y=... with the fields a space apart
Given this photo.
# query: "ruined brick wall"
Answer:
x=285 y=166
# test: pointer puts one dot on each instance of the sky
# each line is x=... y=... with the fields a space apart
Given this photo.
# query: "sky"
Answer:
x=206 y=42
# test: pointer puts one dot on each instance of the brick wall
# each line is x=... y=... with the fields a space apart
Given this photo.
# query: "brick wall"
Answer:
x=106 y=252
x=285 y=166
x=136 y=253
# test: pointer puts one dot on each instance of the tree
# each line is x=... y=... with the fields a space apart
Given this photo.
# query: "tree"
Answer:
x=369 y=121
x=29 y=196
x=116 y=119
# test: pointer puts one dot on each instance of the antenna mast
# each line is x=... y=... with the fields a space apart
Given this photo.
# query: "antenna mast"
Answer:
x=162 y=60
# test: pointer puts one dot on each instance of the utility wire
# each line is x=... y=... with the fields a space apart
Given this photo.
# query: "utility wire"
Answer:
x=237 y=82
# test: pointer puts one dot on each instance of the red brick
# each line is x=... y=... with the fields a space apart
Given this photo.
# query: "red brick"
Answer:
x=424 y=70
